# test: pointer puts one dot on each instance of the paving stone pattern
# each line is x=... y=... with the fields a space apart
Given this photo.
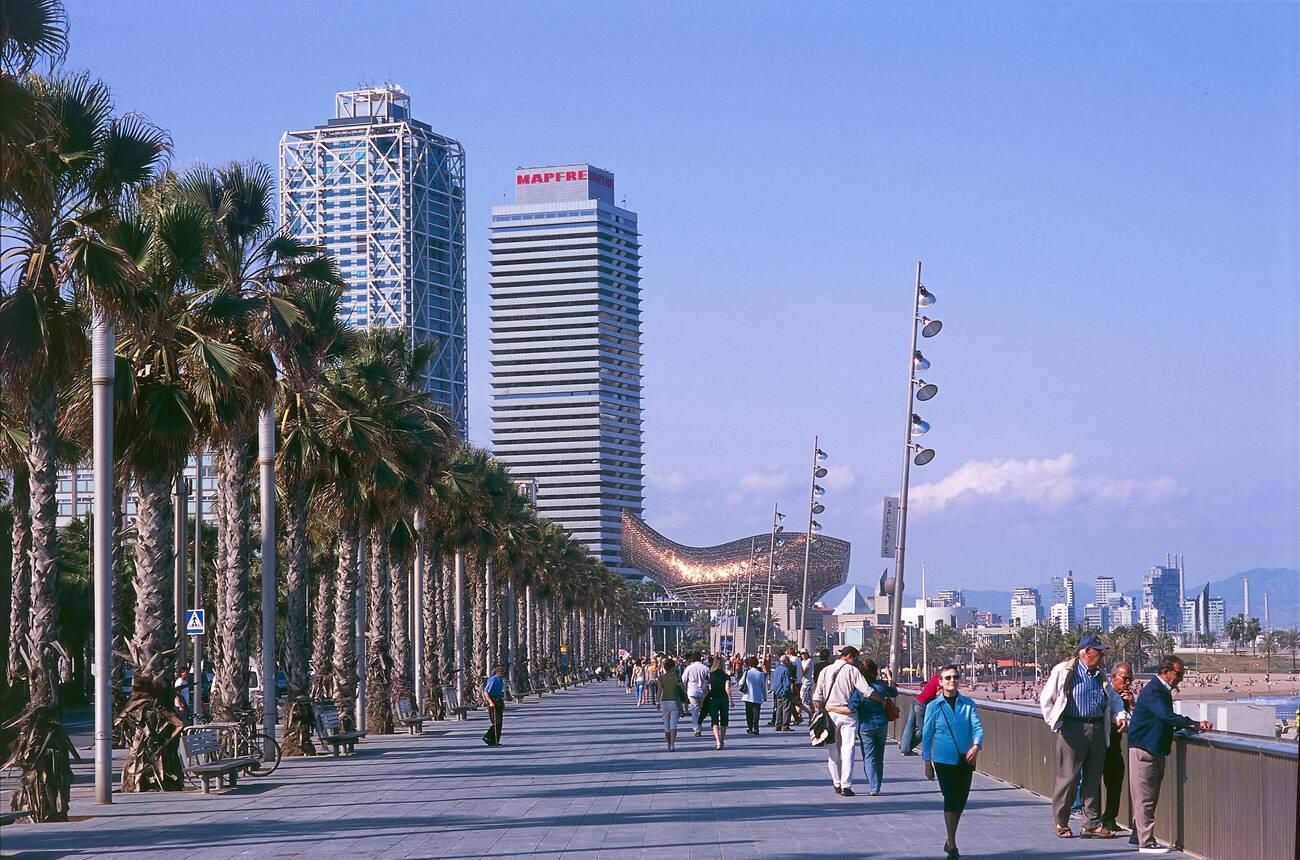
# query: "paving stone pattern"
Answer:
x=581 y=774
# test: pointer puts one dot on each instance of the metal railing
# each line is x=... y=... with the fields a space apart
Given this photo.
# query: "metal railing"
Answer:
x=1223 y=797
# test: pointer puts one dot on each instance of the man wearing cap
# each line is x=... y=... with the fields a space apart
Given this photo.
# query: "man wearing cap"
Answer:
x=1080 y=706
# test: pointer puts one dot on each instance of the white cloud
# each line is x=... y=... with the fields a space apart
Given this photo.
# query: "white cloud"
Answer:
x=765 y=482
x=672 y=482
x=1049 y=484
x=838 y=479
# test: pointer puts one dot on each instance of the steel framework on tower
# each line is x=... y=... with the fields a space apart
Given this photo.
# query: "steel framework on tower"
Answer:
x=385 y=194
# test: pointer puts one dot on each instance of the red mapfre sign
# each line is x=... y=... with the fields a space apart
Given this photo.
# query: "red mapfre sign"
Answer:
x=579 y=175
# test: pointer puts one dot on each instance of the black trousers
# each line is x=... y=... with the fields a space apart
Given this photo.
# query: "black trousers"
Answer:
x=954 y=782
x=751 y=715
x=495 y=713
x=1112 y=776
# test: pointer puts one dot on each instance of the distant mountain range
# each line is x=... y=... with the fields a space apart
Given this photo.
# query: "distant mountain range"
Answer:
x=1281 y=583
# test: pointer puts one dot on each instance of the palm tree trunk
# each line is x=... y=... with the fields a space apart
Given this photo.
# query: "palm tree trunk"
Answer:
x=120 y=585
x=322 y=652
x=345 y=631
x=234 y=620
x=153 y=763
x=400 y=648
x=298 y=713
x=42 y=748
x=20 y=575
x=379 y=666
x=431 y=612
x=476 y=629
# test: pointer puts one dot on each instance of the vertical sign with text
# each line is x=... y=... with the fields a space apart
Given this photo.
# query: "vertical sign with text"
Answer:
x=889 y=528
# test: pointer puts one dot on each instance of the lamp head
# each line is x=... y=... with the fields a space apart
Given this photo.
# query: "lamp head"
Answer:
x=925 y=298
x=925 y=390
x=819 y=472
x=919 y=425
x=818 y=508
x=929 y=327
x=920 y=362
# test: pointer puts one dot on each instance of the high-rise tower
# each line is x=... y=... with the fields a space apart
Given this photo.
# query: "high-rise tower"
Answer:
x=566 y=350
x=385 y=195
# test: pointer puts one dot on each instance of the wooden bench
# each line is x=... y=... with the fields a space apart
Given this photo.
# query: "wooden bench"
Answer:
x=408 y=716
x=203 y=758
x=329 y=726
x=454 y=705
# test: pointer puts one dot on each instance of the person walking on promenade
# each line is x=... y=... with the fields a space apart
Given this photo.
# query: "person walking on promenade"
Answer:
x=719 y=702
x=651 y=690
x=911 y=736
x=835 y=684
x=782 y=693
x=950 y=743
x=796 y=685
x=495 y=693
x=1112 y=773
x=696 y=678
x=753 y=690
x=671 y=696
x=1077 y=705
x=638 y=681
x=1150 y=738
x=873 y=723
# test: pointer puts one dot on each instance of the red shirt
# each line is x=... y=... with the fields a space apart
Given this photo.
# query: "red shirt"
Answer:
x=930 y=690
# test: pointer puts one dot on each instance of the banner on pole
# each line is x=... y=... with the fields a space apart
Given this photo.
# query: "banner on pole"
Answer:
x=889 y=528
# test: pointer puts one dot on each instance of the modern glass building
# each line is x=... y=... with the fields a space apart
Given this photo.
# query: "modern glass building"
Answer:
x=1161 y=591
x=385 y=195
x=566 y=351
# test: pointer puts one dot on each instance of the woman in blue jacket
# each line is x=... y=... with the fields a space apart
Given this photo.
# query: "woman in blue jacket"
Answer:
x=950 y=742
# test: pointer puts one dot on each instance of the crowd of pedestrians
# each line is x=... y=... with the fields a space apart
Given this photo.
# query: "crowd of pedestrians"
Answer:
x=849 y=702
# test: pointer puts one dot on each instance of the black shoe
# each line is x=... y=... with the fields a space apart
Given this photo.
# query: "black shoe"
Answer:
x=847 y=792
x=838 y=790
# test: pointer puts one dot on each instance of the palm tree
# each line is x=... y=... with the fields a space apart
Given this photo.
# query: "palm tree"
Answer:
x=323 y=341
x=1289 y=640
x=13 y=444
x=1235 y=630
x=1250 y=633
x=57 y=206
x=174 y=358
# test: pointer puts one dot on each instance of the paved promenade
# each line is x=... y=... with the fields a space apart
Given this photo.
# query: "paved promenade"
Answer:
x=582 y=774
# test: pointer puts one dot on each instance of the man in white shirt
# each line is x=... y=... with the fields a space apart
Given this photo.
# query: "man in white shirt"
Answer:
x=696 y=679
x=834 y=686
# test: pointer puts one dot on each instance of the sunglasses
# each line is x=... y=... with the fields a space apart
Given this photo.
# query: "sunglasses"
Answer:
x=948 y=677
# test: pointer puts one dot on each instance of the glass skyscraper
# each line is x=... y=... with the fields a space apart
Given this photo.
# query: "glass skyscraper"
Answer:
x=566 y=351
x=385 y=195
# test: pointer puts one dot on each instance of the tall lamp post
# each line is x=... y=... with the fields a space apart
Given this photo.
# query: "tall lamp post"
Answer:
x=102 y=366
x=917 y=390
x=814 y=507
x=772 y=567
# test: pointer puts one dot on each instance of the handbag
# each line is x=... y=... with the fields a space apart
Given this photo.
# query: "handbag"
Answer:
x=821 y=728
x=891 y=710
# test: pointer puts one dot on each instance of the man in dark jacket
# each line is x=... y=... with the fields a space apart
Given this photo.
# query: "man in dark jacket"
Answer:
x=1150 y=738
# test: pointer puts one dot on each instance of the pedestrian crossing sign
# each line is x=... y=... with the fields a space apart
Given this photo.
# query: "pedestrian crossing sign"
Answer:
x=194 y=622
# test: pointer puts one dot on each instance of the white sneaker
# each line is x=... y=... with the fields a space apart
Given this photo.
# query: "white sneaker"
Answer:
x=1153 y=848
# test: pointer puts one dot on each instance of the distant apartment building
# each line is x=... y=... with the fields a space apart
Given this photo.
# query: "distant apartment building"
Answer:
x=1217 y=616
x=932 y=618
x=949 y=597
x=1060 y=617
x=1063 y=593
x=1122 y=611
x=1096 y=616
x=1150 y=619
x=1026 y=606
x=75 y=493
x=987 y=618
x=1161 y=593
x=385 y=195
x=1105 y=588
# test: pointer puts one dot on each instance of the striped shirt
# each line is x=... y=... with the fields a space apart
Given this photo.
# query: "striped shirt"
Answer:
x=1088 y=695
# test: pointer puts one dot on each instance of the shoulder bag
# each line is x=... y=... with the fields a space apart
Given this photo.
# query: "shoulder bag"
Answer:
x=821 y=728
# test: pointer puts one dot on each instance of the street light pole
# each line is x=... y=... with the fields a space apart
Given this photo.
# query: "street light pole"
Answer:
x=102 y=366
x=777 y=516
x=913 y=426
x=417 y=613
x=266 y=465
x=749 y=590
x=817 y=472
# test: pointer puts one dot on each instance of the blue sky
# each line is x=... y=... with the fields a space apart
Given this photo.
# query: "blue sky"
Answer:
x=1104 y=198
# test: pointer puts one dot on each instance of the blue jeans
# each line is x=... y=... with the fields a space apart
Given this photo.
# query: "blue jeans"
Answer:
x=873 y=756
